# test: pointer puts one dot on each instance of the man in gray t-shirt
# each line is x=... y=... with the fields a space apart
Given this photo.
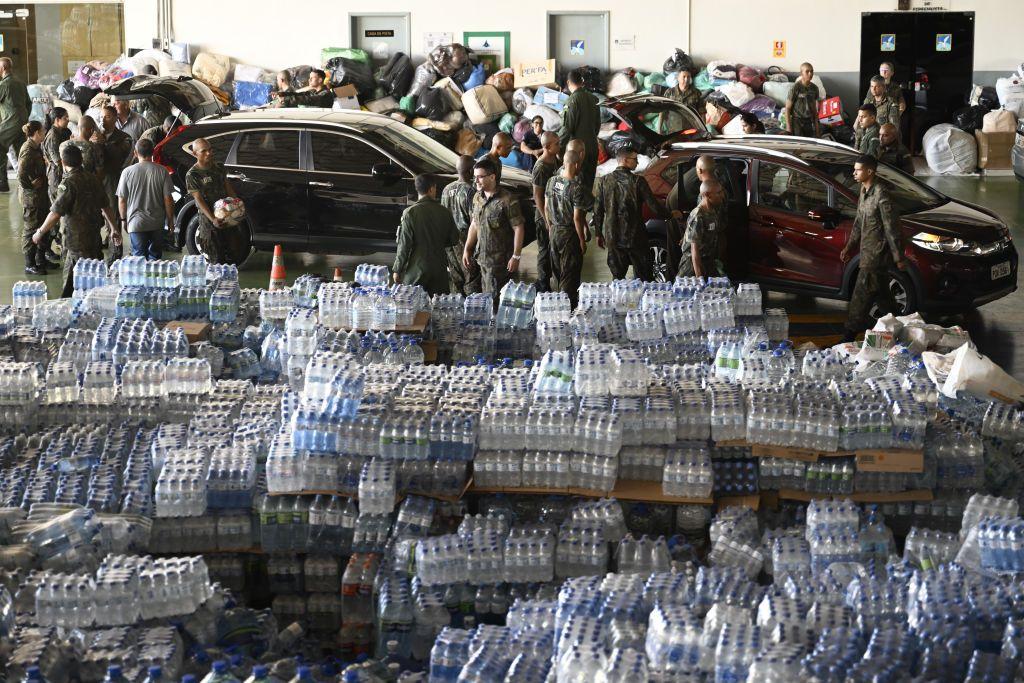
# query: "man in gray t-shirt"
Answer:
x=145 y=203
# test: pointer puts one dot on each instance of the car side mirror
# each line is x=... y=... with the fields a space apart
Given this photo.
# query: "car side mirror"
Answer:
x=826 y=215
x=389 y=173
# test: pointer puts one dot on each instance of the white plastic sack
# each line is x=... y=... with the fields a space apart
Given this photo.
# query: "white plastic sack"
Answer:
x=816 y=80
x=999 y=121
x=149 y=57
x=552 y=121
x=1011 y=93
x=169 y=67
x=950 y=150
x=211 y=68
x=621 y=84
x=734 y=127
x=248 y=73
x=738 y=93
x=521 y=99
x=778 y=91
x=977 y=375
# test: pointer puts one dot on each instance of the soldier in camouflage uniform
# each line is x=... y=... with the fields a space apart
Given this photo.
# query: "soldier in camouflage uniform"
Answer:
x=802 y=105
x=876 y=233
x=316 y=94
x=35 y=203
x=92 y=152
x=496 y=232
x=705 y=234
x=543 y=170
x=427 y=231
x=207 y=182
x=566 y=202
x=866 y=141
x=80 y=206
x=457 y=197
x=156 y=134
x=887 y=109
x=689 y=185
x=15 y=107
x=618 y=217
x=118 y=152
x=58 y=134
x=890 y=150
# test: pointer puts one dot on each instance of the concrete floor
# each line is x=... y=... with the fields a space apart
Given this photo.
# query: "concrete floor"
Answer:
x=998 y=327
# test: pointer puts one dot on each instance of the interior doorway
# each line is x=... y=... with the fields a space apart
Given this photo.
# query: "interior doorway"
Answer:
x=933 y=56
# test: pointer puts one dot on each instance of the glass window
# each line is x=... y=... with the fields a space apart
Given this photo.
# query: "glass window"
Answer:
x=787 y=189
x=269 y=149
x=847 y=208
x=221 y=145
x=334 y=153
x=907 y=193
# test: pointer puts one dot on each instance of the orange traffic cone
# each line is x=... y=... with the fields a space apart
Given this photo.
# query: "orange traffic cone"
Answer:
x=337 y=274
x=277 y=270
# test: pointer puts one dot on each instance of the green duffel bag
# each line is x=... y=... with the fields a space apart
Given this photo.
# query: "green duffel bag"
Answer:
x=407 y=103
x=507 y=123
x=652 y=79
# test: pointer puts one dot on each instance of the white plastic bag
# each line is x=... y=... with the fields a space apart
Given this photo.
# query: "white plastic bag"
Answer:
x=552 y=121
x=779 y=92
x=521 y=99
x=1011 y=93
x=950 y=150
x=737 y=92
x=999 y=121
x=720 y=68
x=976 y=374
x=622 y=83
x=169 y=67
x=734 y=127
x=249 y=73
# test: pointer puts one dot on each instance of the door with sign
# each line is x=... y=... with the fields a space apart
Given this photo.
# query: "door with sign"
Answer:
x=381 y=35
x=933 y=55
x=579 y=39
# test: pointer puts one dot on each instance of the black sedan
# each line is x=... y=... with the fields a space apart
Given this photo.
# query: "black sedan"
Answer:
x=313 y=180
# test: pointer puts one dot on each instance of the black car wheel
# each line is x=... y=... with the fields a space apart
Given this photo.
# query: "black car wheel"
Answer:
x=659 y=259
x=902 y=288
x=244 y=249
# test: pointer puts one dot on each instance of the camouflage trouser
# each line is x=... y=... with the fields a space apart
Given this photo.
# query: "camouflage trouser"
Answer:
x=494 y=276
x=568 y=259
x=219 y=244
x=462 y=282
x=872 y=288
x=33 y=217
x=544 y=271
x=804 y=127
x=70 y=258
x=619 y=260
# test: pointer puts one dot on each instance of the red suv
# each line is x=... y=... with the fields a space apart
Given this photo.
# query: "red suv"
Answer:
x=791 y=205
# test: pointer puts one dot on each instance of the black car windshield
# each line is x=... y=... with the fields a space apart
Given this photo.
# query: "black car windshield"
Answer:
x=408 y=142
x=908 y=194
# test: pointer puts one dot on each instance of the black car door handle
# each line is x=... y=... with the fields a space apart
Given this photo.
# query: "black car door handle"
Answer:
x=319 y=183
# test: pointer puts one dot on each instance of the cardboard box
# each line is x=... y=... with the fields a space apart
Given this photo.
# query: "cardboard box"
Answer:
x=535 y=74
x=196 y=331
x=830 y=111
x=346 y=97
x=890 y=461
x=994 y=150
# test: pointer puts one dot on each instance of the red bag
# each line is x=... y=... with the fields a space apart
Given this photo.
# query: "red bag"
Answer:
x=752 y=77
x=830 y=111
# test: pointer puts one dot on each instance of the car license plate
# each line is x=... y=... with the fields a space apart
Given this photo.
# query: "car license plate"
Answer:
x=1000 y=270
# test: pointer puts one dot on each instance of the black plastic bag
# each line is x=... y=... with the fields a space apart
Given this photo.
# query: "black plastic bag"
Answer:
x=679 y=61
x=624 y=138
x=432 y=104
x=843 y=133
x=83 y=96
x=487 y=130
x=396 y=76
x=66 y=91
x=445 y=137
x=969 y=119
x=298 y=76
x=462 y=74
x=988 y=98
x=350 y=72
x=593 y=78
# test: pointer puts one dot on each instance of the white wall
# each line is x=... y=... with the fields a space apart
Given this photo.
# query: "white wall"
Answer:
x=825 y=32
x=277 y=36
